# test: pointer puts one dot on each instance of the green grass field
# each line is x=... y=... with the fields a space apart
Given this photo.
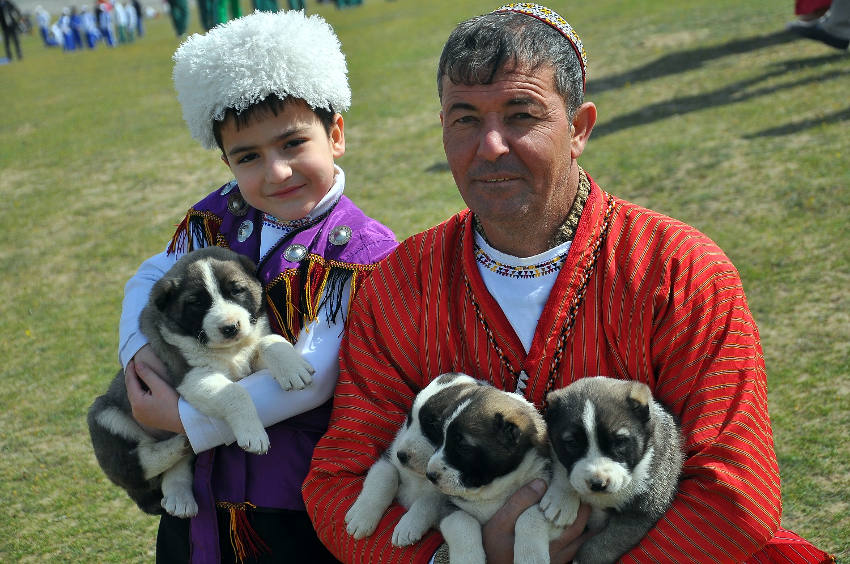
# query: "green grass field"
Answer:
x=707 y=112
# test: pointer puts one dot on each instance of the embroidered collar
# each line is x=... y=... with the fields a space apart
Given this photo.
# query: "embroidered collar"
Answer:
x=568 y=229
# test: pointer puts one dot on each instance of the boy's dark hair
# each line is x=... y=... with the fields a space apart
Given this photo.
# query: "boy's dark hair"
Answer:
x=271 y=104
x=482 y=46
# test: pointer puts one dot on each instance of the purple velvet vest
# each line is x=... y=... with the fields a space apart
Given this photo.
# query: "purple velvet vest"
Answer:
x=297 y=287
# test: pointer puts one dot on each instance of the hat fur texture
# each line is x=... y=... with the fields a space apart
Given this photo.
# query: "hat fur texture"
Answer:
x=240 y=63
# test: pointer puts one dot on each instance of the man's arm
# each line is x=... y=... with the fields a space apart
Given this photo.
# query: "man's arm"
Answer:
x=379 y=377
x=709 y=370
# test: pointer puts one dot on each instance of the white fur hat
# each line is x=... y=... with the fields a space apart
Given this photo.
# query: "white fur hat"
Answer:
x=243 y=61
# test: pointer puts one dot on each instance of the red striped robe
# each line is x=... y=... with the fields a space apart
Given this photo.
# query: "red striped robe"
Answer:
x=641 y=296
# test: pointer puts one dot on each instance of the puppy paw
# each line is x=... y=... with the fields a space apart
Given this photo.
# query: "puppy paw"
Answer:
x=255 y=443
x=183 y=506
x=408 y=530
x=288 y=367
x=362 y=519
x=559 y=506
x=530 y=553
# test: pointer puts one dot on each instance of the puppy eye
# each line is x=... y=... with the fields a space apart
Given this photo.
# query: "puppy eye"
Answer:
x=569 y=440
x=236 y=289
x=621 y=444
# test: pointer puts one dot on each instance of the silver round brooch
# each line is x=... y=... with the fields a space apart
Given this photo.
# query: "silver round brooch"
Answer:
x=237 y=205
x=228 y=187
x=340 y=235
x=295 y=253
x=245 y=230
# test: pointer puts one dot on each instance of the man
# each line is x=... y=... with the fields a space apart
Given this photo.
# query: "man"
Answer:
x=546 y=279
x=9 y=18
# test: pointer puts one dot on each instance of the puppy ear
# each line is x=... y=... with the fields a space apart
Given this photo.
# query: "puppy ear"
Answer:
x=506 y=430
x=163 y=293
x=638 y=400
x=249 y=265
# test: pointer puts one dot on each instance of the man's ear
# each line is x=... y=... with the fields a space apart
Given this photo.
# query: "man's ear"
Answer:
x=337 y=136
x=582 y=125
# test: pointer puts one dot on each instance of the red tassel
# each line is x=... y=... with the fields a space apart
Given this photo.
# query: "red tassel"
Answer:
x=245 y=541
x=180 y=238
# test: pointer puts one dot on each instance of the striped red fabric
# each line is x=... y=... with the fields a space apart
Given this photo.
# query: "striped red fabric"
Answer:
x=640 y=296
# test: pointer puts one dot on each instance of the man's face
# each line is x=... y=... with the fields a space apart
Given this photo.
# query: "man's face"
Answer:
x=508 y=145
x=284 y=164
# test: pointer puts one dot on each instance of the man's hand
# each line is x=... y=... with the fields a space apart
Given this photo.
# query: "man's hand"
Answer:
x=498 y=532
x=154 y=402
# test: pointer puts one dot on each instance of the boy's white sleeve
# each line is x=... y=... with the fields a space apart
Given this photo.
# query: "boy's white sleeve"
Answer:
x=136 y=293
x=319 y=344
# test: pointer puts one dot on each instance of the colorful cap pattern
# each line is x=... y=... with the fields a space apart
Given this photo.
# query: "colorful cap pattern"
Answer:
x=552 y=18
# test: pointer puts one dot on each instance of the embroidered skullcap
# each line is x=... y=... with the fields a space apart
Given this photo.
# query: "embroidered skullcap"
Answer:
x=240 y=63
x=552 y=18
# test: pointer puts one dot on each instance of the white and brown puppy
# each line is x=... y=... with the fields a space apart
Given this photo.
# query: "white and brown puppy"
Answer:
x=400 y=472
x=617 y=449
x=494 y=443
x=205 y=319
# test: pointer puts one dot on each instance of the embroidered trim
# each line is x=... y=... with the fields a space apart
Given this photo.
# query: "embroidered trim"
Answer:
x=322 y=281
x=567 y=231
x=272 y=221
x=579 y=297
x=523 y=271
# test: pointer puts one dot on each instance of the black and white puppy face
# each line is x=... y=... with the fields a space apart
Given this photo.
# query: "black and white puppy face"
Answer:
x=488 y=436
x=422 y=431
x=600 y=431
x=209 y=298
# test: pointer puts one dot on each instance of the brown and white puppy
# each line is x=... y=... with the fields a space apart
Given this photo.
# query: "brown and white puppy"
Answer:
x=205 y=319
x=400 y=472
x=494 y=443
x=617 y=449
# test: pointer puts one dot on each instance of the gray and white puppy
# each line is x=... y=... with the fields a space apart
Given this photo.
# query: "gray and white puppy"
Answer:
x=205 y=319
x=617 y=449
x=400 y=472
x=494 y=442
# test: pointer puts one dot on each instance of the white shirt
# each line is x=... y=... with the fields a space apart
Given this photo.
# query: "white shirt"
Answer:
x=520 y=285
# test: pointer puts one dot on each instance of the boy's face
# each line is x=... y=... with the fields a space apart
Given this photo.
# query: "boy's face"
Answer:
x=284 y=164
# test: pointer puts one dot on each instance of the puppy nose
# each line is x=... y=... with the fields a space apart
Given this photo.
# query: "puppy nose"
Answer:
x=230 y=331
x=598 y=484
x=403 y=457
x=433 y=476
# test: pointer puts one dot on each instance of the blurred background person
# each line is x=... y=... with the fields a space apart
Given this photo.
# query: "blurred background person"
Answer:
x=10 y=15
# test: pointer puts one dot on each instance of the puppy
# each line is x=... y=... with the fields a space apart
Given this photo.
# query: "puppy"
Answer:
x=617 y=449
x=400 y=472
x=494 y=442
x=205 y=320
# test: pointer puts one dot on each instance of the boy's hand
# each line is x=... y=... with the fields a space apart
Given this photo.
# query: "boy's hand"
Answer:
x=498 y=532
x=154 y=402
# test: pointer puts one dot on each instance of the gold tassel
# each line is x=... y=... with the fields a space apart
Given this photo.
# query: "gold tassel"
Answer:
x=244 y=539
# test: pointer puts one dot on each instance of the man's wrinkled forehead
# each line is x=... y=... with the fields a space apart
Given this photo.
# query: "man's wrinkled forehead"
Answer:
x=512 y=87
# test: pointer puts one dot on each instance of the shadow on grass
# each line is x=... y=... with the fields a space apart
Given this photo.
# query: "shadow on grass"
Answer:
x=798 y=126
x=691 y=59
x=731 y=94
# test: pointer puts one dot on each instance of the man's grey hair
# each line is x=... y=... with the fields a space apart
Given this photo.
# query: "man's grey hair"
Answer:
x=481 y=47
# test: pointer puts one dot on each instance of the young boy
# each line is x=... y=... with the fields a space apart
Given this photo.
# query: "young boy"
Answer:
x=265 y=89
